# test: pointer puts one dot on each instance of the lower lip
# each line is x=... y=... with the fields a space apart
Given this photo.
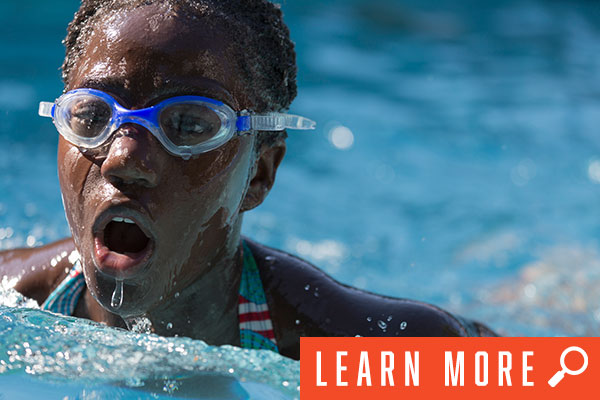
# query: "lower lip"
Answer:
x=120 y=265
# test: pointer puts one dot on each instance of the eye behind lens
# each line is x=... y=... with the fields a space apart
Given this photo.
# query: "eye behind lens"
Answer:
x=87 y=116
x=189 y=124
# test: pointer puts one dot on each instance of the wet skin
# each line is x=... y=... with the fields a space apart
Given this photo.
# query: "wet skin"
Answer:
x=190 y=209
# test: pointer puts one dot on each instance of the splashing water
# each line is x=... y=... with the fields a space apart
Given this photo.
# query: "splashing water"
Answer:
x=139 y=324
x=69 y=357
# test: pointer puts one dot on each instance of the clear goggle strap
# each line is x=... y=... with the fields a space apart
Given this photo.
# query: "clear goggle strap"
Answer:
x=279 y=121
x=45 y=109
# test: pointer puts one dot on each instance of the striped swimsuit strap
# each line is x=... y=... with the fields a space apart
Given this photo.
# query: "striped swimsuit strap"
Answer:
x=256 y=328
x=64 y=298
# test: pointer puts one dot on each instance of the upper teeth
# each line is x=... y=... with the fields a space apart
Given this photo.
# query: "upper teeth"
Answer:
x=120 y=219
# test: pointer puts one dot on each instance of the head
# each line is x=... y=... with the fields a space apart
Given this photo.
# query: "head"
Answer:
x=186 y=214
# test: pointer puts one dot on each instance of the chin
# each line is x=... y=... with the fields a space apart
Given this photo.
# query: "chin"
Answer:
x=134 y=299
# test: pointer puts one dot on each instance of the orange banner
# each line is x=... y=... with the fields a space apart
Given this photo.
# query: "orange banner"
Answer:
x=454 y=368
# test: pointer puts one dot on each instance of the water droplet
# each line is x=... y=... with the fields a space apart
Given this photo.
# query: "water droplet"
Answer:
x=169 y=326
x=306 y=287
x=381 y=325
x=369 y=319
x=170 y=386
x=134 y=382
x=297 y=322
x=269 y=258
x=117 y=297
x=403 y=325
x=389 y=318
x=231 y=370
x=176 y=294
x=285 y=383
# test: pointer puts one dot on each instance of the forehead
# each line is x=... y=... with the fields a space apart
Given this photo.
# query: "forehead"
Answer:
x=152 y=49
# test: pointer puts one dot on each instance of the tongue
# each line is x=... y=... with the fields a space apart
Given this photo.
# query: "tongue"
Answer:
x=122 y=237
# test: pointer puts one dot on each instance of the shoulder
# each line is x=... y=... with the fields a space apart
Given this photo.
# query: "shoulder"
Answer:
x=38 y=270
x=304 y=301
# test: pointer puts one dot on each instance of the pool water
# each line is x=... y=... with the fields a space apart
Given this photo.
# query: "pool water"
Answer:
x=68 y=357
x=456 y=161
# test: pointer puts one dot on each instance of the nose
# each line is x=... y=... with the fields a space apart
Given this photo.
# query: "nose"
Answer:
x=134 y=158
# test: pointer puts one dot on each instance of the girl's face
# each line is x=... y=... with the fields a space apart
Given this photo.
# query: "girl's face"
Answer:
x=184 y=212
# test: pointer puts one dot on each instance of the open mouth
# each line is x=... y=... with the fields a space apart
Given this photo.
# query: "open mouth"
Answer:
x=122 y=246
x=123 y=236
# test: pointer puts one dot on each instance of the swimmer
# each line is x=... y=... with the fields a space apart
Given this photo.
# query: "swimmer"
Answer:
x=167 y=137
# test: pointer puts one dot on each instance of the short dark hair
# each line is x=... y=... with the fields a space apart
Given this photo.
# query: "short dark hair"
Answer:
x=260 y=40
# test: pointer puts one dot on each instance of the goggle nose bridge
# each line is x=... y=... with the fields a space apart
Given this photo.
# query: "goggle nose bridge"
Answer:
x=140 y=117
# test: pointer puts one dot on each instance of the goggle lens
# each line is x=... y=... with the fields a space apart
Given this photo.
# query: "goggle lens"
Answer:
x=189 y=124
x=87 y=116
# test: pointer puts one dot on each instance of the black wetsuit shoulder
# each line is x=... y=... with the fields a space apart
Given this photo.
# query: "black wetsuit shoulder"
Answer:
x=304 y=301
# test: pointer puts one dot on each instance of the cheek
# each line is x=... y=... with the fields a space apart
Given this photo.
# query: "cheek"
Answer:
x=73 y=172
x=202 y=201
x=219 y=181
x=69 y=174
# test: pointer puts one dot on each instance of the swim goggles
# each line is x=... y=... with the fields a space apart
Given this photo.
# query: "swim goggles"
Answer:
x=185 y=125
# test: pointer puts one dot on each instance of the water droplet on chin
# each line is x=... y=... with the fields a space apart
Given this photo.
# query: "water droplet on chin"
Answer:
x=169 y=326
x=403 y=325
x=382 y=325
x=117 y=297
x=307 y=287
x=369 y=319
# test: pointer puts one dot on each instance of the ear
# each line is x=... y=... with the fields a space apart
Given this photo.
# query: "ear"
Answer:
x=265 y=168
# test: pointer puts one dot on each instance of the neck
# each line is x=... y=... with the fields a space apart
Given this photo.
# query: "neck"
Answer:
x=207 y=307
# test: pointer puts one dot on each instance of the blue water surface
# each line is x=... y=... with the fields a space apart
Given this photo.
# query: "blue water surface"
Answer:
x=456 y=159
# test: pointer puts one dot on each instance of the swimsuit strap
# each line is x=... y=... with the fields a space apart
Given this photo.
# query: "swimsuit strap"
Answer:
x=256 y=328
x=64 y=298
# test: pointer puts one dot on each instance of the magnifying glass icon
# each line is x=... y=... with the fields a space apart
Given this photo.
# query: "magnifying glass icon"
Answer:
x=564 y=370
